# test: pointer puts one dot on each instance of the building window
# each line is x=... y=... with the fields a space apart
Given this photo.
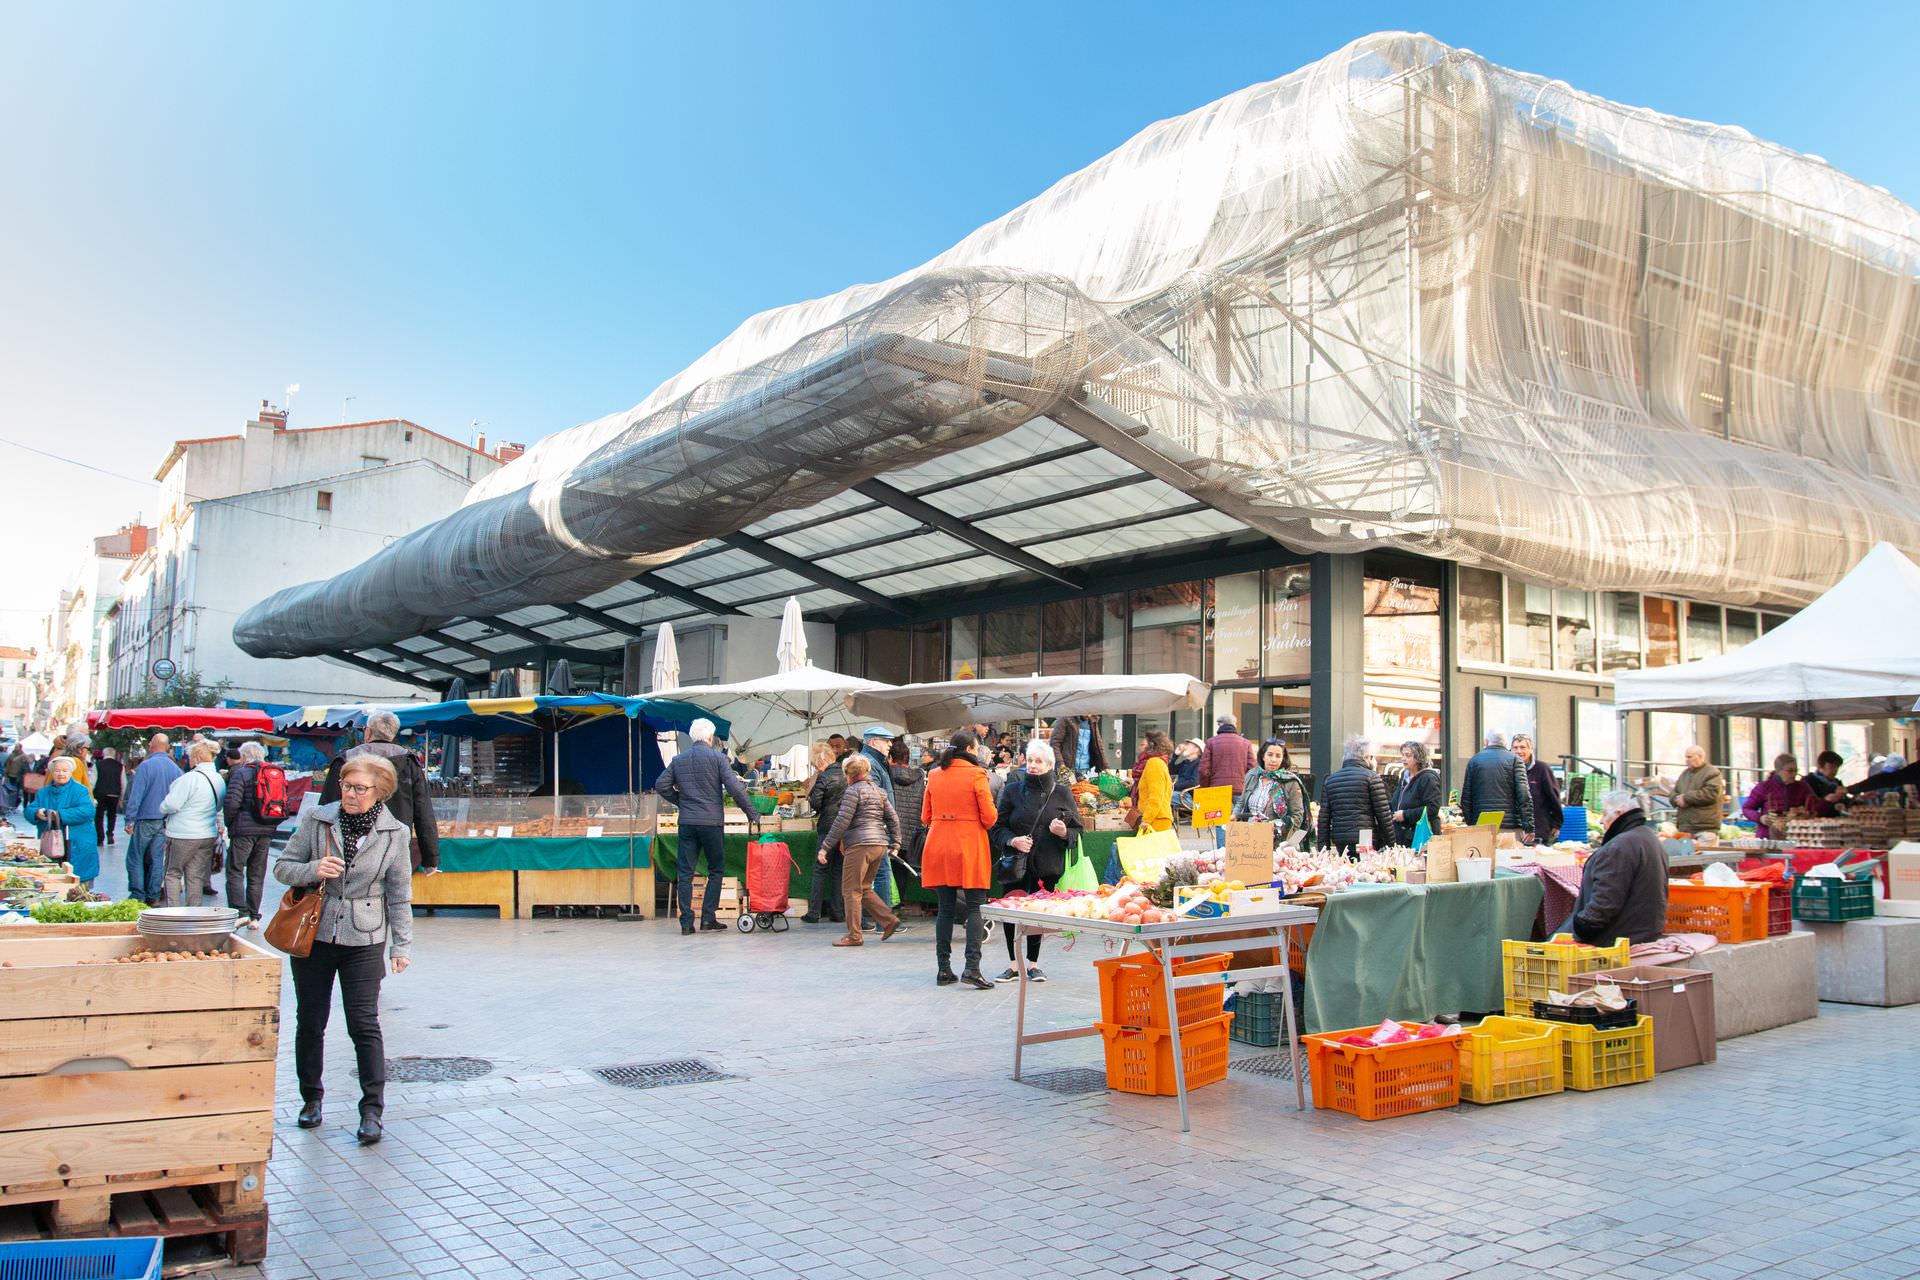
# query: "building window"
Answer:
x=963 y=653
x=1573 y=641
x=1596 y=731
x=1400 y=640
x=1167 y=629
x=1669 y=734
x=1620 y=630
x=1010 y=643
x=1288 y=644
x=1063 y=628
x=1704 y=639
x=1479 y=615
x=1743 y=628
x=929 y=652
x=1663 y=631
x=1529 y=625
x=1743 y=748
x=1236 y=627
x=368 y=462
x=323 y=500
x=1106 y=652
x=408 y=436
x=1773 y=741
x=887 y=655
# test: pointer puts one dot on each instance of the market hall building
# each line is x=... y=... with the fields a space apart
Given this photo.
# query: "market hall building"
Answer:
x=1405 y=395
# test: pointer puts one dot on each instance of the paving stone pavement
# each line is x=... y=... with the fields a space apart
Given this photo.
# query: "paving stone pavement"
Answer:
x=873 y=1129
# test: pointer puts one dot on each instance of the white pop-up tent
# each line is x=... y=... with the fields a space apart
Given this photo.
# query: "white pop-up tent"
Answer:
x=950 y=703
x=1854 y=652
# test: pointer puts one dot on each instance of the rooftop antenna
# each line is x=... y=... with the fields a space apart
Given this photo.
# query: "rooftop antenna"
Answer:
x=292 y=391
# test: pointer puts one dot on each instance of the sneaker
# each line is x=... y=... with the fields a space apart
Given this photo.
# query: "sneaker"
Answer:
x=1011 y=975
x=1034 y=974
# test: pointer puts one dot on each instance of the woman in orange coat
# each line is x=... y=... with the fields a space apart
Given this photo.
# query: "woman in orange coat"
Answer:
x=956 y=862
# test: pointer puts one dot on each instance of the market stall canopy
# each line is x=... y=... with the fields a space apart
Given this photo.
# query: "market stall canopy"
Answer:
x=948 y=703
x=243 y=718
x=785 y=709
x=1852 y=652
x=349 y=715
x=488 y=718
x=35 y=743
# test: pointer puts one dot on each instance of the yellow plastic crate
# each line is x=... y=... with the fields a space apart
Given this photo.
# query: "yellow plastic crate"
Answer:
x=1504 y=1059
x=1597 y=1059
x=1532 y=969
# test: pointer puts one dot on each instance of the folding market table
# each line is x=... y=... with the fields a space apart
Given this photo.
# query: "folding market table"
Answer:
x=1177 y=940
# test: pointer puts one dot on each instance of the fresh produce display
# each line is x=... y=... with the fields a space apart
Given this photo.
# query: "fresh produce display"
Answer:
x=1125 y=904
x=125 y=911
x=165 y=957
x=1298 y=869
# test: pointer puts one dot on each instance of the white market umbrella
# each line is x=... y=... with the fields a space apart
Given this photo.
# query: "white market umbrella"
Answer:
x=788 y=708
x=791 y=652
x=35 y=743
x=666 y=675
x=948 y=703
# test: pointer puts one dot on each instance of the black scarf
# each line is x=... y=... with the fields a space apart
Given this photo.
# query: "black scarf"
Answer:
x=354 y=828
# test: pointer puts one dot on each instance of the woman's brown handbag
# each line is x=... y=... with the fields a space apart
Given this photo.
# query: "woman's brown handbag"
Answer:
x=297 y=920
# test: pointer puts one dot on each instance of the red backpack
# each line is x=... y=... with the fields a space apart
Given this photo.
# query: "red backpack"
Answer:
x=269 y=793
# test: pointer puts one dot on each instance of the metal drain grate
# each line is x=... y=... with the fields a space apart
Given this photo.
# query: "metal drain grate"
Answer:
x=658 y=1075
x=435 y=1070
x=1267 y=1064
x=1068 y=1080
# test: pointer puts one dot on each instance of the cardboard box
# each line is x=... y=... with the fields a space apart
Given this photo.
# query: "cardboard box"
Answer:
x=1903 y=872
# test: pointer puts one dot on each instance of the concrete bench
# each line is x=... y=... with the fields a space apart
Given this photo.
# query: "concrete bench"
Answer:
x=1873 y=961
x=1761 y=985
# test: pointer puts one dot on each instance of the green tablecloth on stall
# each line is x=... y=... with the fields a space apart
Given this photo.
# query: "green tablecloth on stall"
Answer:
x=536 y=854
x=1413 y=951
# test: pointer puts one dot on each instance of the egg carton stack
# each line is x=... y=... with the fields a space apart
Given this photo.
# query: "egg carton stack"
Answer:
x=1824 y=833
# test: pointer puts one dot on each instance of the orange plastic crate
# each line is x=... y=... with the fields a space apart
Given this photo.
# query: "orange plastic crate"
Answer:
x=1140 y=1059
x=1382 y=1081
x=1734 y=913
x=1133 y=995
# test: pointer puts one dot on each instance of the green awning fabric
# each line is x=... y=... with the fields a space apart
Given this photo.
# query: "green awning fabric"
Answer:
x=1413 y=951
x=536 y=854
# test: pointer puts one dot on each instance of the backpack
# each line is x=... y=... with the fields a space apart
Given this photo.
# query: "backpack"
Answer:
x=269 y=793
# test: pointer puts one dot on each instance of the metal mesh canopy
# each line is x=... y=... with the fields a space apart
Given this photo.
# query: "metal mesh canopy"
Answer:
x=1401 y=297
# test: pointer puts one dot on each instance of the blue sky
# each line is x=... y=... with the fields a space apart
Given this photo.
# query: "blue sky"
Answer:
x=529 y=216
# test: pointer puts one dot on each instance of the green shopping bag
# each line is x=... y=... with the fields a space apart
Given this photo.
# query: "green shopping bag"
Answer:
x=1079 y=874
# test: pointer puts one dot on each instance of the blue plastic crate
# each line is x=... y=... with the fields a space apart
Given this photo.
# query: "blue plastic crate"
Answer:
x=129 y=1258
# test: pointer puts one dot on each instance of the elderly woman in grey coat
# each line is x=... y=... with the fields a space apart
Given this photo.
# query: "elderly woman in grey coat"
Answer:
x=356 y=854
x=867 y=829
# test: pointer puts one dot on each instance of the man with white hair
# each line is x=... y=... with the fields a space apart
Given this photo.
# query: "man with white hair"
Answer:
x=250 y=828
x=1623 y=887
x=1496 y=782
x=411 y=802
x=1699 y=795
x=698 y=780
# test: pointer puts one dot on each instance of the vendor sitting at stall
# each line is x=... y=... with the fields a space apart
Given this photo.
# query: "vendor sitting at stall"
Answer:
x=1780 y=792
x=1623 y=886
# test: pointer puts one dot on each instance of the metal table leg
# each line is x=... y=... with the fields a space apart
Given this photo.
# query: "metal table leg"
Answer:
x=1286 y=1011
x=1161 y=952
x=1020 y=1013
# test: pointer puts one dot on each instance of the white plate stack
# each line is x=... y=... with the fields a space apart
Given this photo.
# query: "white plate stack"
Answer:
x=187 y=928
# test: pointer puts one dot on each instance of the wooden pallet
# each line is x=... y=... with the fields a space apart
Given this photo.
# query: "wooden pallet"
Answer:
x=729 y=909
x=212 y=1217
x=586 y=887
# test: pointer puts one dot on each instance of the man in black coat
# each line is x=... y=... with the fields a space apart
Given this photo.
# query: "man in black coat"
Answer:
x=1623 y=887
x=1352 y=798
x=1543 y=791
x=1496 y=782
x=411 y=803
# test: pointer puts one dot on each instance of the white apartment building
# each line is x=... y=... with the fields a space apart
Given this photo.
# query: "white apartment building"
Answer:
x=75 y=656
x=244 y=515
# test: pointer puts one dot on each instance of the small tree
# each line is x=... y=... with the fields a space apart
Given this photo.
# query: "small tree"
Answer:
x=184 y=689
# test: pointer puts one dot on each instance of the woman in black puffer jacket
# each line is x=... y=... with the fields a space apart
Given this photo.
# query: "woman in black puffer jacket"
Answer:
x=909 y=784
x=1039 y=822
x=823 y=797
x=1353 y=799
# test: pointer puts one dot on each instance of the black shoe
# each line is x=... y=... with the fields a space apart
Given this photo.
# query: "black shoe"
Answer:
x=945 y=978
x=309 y=1116
x=1034 y=974
x=686 y=928
x=973 y=979
x=812 y=917
x=369 y=1131
x=1011 y=975
x=712 y=926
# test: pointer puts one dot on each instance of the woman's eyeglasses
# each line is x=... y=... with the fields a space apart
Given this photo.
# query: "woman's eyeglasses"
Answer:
x=356 y=789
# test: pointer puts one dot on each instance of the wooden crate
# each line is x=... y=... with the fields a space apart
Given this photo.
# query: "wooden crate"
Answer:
x=466 y=889
x=166 y=1083
x=729 y=909
x=586 y=887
